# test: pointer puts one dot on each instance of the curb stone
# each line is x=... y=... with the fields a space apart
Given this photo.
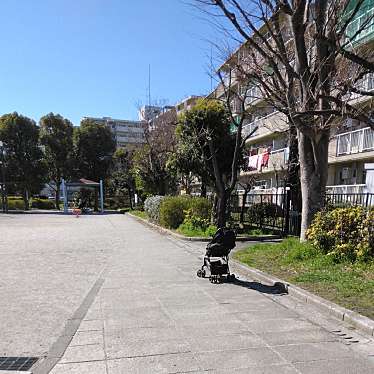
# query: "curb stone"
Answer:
x=200 y=239
x=357 y=320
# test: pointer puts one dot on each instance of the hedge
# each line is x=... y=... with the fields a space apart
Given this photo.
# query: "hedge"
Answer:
x=43 y=204
x=344 y=233
x=173 y=210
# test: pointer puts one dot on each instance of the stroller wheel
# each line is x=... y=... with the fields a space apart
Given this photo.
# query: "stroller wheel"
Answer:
x=200 y=273
x=231 y=278
x=203 y=273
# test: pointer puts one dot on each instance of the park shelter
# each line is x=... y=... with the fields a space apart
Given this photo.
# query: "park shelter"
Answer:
x=82 y=183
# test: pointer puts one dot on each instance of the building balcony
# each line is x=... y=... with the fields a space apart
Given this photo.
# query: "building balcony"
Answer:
x=274 y=122
x=276 y=161
x=346 y=189
x=355 y=142
x=364 y=21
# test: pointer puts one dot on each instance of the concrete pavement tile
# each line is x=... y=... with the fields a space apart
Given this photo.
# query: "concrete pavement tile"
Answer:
x=146 y=333
x=118 y=348
x=112 y=326
x=224 y=343
x=312 y=335
x=270 y=314
x=175 y=363
x=200 y=318
x=271 y=369
x=248 y=306
x=87 y=337
x=216 y=328
x=341 y=366
x=92 y=352
x=286 y=324
x=238 y=359
x=91 y=325
x=313 y=351
x=97 y=367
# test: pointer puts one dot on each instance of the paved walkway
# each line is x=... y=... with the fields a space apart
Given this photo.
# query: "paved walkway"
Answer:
x=145 y=311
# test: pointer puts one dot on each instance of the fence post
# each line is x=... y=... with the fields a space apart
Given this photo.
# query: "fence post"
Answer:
x=367 y=201
x=286 y=229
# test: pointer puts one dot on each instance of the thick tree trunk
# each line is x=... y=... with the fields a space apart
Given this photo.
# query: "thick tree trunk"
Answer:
x=57 y=197
x=130 y=198
x=313 y=176
x=221 y=210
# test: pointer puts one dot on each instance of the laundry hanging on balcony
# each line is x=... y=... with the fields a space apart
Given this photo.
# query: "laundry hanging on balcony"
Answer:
x=265 y=159
x=253 y=162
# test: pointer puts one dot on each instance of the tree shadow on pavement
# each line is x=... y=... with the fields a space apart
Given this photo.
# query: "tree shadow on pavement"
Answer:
x=277 y=288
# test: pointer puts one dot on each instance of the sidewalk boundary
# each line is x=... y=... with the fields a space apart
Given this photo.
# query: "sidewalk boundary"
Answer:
x=355 y=319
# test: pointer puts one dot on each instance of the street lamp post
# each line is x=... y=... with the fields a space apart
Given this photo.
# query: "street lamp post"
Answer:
x=4 y=197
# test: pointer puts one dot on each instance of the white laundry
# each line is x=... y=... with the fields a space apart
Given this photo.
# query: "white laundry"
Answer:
x=252 y=162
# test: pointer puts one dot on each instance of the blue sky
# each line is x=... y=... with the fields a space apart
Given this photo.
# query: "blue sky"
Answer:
x=90 y=57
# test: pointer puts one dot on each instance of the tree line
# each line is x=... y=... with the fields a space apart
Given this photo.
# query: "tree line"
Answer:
x=36 y=154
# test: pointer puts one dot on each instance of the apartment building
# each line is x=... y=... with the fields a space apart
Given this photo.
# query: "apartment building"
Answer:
x=351 y=148
x=129 y=134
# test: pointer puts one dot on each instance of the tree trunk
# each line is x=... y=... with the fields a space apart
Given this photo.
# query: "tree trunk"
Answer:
x=130 y=198
x=96 y=202
x=203 y=189
x=57 y=197
x=313 y=176
x=242 y=209
x=26 y=199
x=221 y=210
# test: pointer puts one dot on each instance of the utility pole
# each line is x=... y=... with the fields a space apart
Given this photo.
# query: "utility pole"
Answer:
x=4 y=198
x=149 y=84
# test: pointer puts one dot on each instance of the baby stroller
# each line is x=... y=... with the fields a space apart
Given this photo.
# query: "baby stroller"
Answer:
x=216 y=258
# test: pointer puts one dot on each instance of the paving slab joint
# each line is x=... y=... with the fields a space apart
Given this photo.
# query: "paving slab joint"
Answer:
x=360 y=322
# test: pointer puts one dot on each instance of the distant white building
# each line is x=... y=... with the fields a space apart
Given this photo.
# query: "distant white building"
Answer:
x=149 y=112
x=127 y=133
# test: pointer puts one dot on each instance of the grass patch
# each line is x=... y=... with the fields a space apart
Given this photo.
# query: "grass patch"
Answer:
x=348 y=284
x=195 y=232
x=139 y=213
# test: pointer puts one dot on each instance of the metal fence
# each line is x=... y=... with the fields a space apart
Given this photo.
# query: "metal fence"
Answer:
x=274 y=211
x=350 y=199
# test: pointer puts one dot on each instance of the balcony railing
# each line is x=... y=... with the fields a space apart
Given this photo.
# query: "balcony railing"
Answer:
x=365 y=22
x=346 y=189
x=364 y=84
x=355 y=142
x=253 y=94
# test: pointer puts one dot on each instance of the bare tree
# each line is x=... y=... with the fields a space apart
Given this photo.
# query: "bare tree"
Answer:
x=307 y=60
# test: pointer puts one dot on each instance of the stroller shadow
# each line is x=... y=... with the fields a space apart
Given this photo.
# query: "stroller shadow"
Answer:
x=277 y=288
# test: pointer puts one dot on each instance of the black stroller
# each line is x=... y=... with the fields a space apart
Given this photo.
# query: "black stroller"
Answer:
x=216 y=258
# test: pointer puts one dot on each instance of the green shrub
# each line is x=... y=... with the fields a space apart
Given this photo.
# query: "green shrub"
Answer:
x=152 y=207
x=14 y=203
x=173 y=210
x=344 y=233
x=42 y=204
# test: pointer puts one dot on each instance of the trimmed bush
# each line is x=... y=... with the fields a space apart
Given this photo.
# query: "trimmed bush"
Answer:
x=174 y=208
x=43 y=204
x=152 y=207
x=172 y=211
x=194 y=225
x=14 y=203
x=344 y=233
